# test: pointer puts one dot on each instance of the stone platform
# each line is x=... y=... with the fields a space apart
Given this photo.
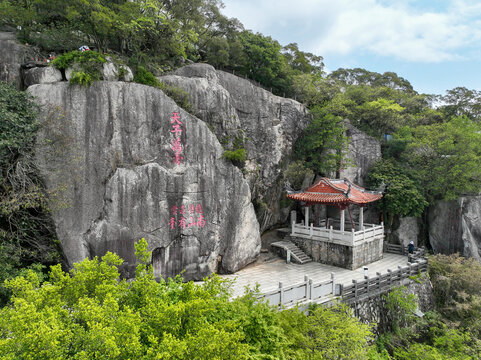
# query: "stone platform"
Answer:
x=268 y=271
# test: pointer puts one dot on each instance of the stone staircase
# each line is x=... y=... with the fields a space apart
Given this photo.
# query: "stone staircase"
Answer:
x=297 y=255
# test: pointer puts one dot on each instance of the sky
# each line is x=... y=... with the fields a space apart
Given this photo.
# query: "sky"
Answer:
x=434 y=44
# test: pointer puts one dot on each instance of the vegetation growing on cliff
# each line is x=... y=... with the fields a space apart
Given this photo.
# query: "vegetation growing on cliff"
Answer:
x=27 y=235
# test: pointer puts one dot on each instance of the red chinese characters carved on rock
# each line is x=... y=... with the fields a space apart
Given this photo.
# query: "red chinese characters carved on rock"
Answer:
x=177 y=146
x=196 y=218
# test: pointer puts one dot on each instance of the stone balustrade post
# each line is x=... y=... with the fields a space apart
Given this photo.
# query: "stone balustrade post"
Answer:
x=281 y=293
x=333 y=279
x=306 y=281
x=311 y=285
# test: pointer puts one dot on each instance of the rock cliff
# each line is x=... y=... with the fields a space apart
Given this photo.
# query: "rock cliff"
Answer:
x=240 y=112
x=363 y=152
x=455 y=227
x=122 y=161
x=13 y=54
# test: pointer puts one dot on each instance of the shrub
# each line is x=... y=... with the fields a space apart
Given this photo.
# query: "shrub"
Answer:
x=238 y=155
x=143 y=76
x=181 y=98
x=89 y=64
x=81 y=78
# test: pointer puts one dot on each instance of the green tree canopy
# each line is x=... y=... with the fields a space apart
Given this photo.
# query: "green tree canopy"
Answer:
x=90 y=313
x=446 y=157
x=401 y=195
x=323 y=143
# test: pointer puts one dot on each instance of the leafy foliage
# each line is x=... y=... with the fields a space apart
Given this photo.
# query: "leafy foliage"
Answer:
x=87 y=66
x=456 y=290
x=237 y=155
x=401 y=195
x=296 y=173
x=323 y=144
x=27 y=234
x=400 y=306
x=143 y=76
x=327 y=333
x=90 y=313
x=446 y=157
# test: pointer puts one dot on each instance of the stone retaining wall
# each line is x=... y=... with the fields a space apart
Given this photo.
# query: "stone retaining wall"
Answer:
x=349 y=257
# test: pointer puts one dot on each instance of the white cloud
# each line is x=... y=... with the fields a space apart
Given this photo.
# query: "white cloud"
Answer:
x=400 y=29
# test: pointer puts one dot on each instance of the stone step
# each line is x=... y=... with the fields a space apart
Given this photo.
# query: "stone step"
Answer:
x=297 y=254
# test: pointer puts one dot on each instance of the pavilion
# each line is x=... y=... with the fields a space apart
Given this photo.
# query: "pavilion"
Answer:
x=335 y=241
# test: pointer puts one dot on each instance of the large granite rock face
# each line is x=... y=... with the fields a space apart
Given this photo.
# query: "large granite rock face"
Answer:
x=12 y=55
x=455 y=226
x=266 y=125
x=407 y=231
x=363 y=152
x=106 y=153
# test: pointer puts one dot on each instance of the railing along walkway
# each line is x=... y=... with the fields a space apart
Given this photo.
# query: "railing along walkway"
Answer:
x=326 y=291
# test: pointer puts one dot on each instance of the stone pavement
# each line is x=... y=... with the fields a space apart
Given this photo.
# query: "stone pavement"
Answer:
x=269 y=273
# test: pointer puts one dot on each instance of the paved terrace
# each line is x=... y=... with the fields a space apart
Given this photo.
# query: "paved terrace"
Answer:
x=269 y=273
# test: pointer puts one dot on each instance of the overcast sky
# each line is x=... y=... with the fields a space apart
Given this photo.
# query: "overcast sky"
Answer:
x=435 y=44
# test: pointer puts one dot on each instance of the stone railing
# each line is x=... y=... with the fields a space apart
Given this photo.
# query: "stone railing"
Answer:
x=419 y=253
x=309 y=292
x=372 y=286
x=350 y=238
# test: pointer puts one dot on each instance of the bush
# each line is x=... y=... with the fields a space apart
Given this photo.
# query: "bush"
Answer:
x=81 y=78
x=296 y=172
x=143 y=76
x=238 y=155
x=181 y=98
x=89 y=64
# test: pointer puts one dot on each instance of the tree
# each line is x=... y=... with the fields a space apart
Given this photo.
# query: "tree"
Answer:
x=302 y=62
x=359 y=76
x=446 y=158
x=90 y=313
x=323 y=144
x=461 y=101
x=263 y=61
x=401 y=196
x=327 y=333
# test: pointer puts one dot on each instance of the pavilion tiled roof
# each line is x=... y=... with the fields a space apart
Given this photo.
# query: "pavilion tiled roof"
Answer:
x=335 y=192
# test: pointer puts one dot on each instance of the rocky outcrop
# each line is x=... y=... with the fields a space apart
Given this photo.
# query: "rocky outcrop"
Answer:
x=41 y=75
x=12 y=55
x=110 y=71
x=108 y=156
x=363 y=152
x=243 y=114
x=455 y=227
x=408 y=230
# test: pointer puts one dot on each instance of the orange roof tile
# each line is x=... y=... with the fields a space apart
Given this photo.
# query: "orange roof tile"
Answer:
x=335 y=191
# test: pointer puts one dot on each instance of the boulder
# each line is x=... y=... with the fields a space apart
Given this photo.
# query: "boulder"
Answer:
x=128 y=75
x=41 y=75
x=109 y=72
x=265 y=125
x=363 y=152
x=455 y=227
x=107 y=153
x=13 y=54
x=407 y=231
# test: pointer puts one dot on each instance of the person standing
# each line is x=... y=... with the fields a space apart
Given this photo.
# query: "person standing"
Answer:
x=411 y=247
